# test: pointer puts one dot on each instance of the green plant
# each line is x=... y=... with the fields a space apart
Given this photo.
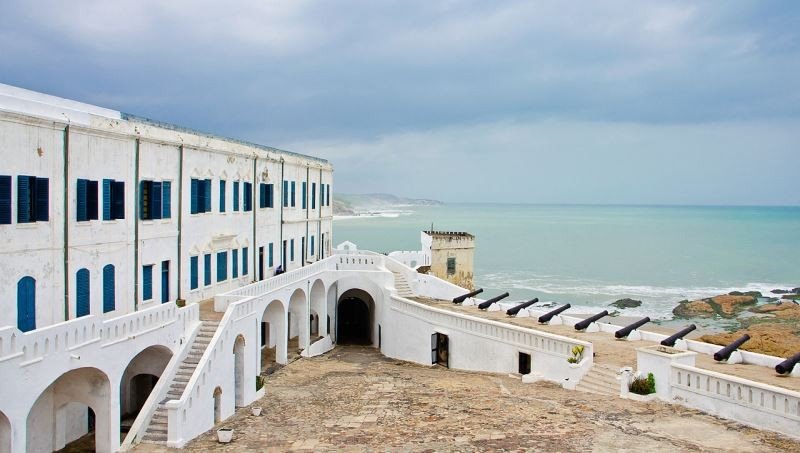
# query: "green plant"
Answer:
x=577 y=354
x=651 y=382
x=643 y=386
x=259 y=382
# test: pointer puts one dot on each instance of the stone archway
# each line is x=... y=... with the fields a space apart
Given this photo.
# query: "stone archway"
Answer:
x=239 y=379
x=61 y=413
x=354 y=315
x=138 y=381
x=5 y=433
x=319 y=310
x=273 y=336
x=298 y=321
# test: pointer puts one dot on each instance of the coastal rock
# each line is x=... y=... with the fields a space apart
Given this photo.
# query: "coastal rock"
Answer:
x=748 y=293
x=627 y=303
x=785 y=311
x=775 y=339
x=796 y=290
x=781 y=291
x=726 y=306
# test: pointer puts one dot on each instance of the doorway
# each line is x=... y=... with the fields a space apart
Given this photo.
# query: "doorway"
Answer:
x=440 y=350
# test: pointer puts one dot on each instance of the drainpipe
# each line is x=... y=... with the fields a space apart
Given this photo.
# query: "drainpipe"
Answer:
x=319 y=222
x=180 y=214
x=253 y=204
x=136 y=215
x=308 y=189
x=65 y=158
x=280 y=243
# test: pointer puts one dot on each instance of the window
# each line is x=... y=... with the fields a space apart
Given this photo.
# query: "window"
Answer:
x=109 y=288
x=166 y=200
x=270 y=259
x=328 y=196
x=207 y=269
x=312 y=245
x=33 y=199
x=221 y=195
x=82 y=293
x=150 y=200
x=451 y=266
x=235 y=263
x=248 y=196
x=313 y=196
x=293 y=198
x=222 y=266
x=5 y=199
x=285 y=193
x=147 y=282
x=266 y=192
x=304 y=194
x=193 y=270
x=113 y=199
x=86 y=199
x=200 y=194
x=291 y=250
x=236 y=196
x=26 y=304
x=164 y=281
x=244 y=261
x=322 y=194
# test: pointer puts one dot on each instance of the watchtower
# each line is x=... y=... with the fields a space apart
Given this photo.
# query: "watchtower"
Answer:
x=452 y=255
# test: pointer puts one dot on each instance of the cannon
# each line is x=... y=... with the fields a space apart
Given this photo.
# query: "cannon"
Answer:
x=786 y=366
x=725 y=353
x=514 y=310
x=549 y=315
x=670 y=341
x=585 y=323
x=462 y=298
x=485 y=305
x=625 y=331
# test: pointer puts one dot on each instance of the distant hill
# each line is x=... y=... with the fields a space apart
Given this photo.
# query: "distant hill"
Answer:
x=353 y=204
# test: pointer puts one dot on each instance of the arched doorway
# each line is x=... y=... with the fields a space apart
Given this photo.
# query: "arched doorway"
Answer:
x=238 y=371
x=354 y=318
x=217 y=405
x=273 y=336
x=138 y=381
x=5 y=433
x=62 y=413
x=319 y=309
x=298 y=322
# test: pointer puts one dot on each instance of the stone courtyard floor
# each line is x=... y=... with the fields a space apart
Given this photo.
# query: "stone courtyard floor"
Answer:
x=354 y=399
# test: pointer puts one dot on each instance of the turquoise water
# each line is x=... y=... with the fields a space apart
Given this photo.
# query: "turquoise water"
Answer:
x=594 y=255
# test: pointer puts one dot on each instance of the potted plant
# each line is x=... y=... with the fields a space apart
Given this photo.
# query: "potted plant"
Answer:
x=256 y=411
x=224 y=435
x=577 y=355
x=643 y=389
x=180 y=302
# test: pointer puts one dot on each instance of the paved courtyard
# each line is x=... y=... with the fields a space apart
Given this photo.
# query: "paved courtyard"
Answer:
x=354 y=399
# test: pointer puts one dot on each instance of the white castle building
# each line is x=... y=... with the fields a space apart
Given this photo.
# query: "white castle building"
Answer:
x=110 y=224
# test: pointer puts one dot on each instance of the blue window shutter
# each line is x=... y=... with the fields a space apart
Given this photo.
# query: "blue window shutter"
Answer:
x=118 y=199
x=293 y=193
x=42 y=199
x=313 y=196
x=109 y=289
x=262 y=195
x=147 y=282
x=207 y=269
x=207 y=196
x=82 y=292
x=322 y=194
x=166 y=196
x=195 y=196
x=91 y=200
x=222 y=195
x=81 y=214
x=285 y=194
x=222 y=266
x=304 y=194
x=270 y=261
x=107 y=199
x=193 y=265
x=236 y=195
x=328 y=195
x=164 y=281
x=155 y=201
x=26 y=304
x=291 y=250
x=248 y=196
x=270 y=196
x=234 y=263
x=23 y=199
x=312 y=245
x=5 y=199
x=244 y=261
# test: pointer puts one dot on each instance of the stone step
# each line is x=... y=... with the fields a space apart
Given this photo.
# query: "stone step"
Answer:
x=154 y=438
x=600 y=379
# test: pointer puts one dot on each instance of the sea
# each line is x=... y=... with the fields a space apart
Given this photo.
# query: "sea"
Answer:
x=591 y=256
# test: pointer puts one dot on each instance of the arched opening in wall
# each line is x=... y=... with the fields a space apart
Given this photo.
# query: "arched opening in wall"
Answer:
x=238 y=371
x=354 y=314
x=61 y=415
x=313 y=326
x=298 y=325
x=217 y=405
x=138 y=381
x=273 y=338
x=5 y=433
x=319 y=310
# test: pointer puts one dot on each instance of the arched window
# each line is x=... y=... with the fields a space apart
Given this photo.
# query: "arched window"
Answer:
x=26 y=304
x=108 y=288
x=82 y=292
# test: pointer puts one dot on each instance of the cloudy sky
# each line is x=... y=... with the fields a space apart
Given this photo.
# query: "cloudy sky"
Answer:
x=664 y=102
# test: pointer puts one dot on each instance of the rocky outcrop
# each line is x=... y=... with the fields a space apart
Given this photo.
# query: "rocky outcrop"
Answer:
x=746 y=293
x=788 y=311
x=626 y=303
x=780 y=340
x=781 y=291
x=726 y=306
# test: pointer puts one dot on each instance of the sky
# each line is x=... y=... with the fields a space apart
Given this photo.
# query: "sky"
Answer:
x=613 y=102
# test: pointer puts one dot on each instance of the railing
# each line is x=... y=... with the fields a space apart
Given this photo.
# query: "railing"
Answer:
x=764 y=398
x=273 y=283
x=361 y=262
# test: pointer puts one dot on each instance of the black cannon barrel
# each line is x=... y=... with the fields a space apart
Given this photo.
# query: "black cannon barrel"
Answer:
x=585 y=323
x=549 y=315
x=514 y=310
x=485 y=305
x=462 y=298
x=670 y=341
x=786 y=366
x=725 y=353
x=625 y=331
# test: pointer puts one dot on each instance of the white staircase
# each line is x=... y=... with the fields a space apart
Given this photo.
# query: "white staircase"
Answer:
x=401 y=285
x=601 y=380
x=157 y=429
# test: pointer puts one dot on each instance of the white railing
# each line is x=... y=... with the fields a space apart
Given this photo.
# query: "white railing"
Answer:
x=361 y=262
x=278 y=281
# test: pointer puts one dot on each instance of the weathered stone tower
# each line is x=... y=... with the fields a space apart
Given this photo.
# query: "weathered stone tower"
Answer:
x=452 y=255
